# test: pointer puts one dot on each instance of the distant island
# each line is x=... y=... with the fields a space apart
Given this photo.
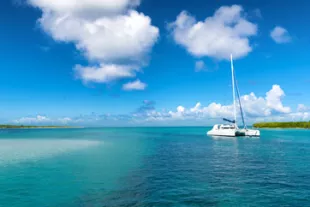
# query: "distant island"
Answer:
x=303 y=125
x=31 y=127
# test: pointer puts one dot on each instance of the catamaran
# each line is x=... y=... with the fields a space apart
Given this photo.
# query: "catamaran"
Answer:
x=232 y=129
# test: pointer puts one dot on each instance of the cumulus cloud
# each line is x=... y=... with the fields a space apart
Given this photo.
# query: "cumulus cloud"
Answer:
x=254 y=107
x=267 y=108
x=43 y=120
x=179 y=114
x=107 y=39
x=32 y=120
x=85 y=7
x=92 y=119
x=302 y=108
x=226 y=32
x=196 y=108
x=273 y=99
x=65 y=120
x=300 y=116
x=135 y=85
x=104 y=73
x=110 y=34
x=280 y=35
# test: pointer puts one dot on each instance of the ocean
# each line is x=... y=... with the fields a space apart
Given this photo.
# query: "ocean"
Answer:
x=165 y=167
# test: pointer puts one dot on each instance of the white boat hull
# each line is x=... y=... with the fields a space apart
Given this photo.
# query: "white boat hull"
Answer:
x=231 y=131
x=225 y=133
x=252 y=133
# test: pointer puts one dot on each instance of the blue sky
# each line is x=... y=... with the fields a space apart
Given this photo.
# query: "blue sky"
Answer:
x=151 y=62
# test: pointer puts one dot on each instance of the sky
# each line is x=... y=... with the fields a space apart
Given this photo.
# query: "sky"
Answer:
x=152 y=62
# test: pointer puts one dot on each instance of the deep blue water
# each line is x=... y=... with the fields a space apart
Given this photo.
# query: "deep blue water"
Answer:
x=153 y=167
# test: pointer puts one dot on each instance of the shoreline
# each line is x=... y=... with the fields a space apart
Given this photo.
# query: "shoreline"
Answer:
x=37 y=127
x=283 y=125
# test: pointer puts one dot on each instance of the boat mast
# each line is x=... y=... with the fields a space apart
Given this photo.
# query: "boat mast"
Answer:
x=233 y=87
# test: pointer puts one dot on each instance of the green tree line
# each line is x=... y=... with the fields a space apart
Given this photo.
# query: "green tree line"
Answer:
x=305 y=125
x=27 y=127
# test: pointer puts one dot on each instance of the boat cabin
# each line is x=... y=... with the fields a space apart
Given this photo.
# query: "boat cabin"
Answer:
x=223 y=127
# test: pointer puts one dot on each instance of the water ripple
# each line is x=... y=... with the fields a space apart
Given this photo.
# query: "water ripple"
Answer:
x=163 y=167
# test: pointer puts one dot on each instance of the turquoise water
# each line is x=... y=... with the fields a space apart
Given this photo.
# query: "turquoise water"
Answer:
x=153 y=167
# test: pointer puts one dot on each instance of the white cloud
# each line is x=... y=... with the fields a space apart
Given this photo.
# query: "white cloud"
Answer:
x=215 y=110
x=302 y=108
x=196 y=108
x=104 y=73
x=226 y=32
x=300 y=116
x=109 y=33
x=65 y=120
x=85 y=7
x=114 y=38
x=254 y=107
x=268 y=108
x=32 y=120
x=135 y=85
x=179 y=114
x=42 y=120
x=199 y=66
x=273 y=98
x=280 y=35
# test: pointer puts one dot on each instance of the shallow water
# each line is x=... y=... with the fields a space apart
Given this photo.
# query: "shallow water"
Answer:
x=153 y=167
